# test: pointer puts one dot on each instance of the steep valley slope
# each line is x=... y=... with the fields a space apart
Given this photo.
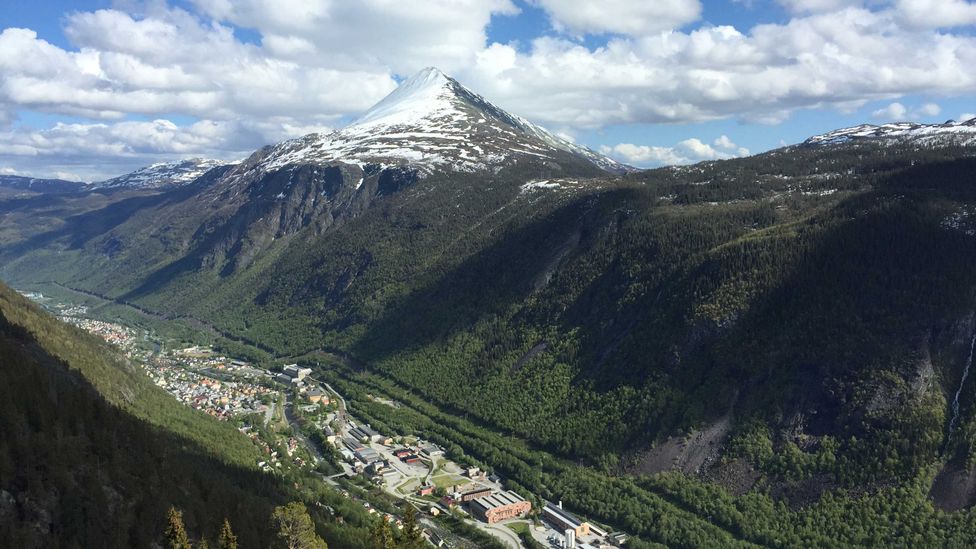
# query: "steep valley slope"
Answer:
x=92 y=453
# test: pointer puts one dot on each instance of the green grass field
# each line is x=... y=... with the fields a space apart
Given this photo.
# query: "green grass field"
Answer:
x=448 y=480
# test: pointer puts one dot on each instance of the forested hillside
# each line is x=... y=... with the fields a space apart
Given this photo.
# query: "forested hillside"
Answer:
x=93 y=455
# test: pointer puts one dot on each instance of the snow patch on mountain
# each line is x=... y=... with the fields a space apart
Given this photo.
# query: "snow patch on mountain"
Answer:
x=540 y=185
x=961 y=220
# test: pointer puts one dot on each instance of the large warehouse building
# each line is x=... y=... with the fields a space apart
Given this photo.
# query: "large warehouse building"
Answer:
x=500 y=506
x=564 y=520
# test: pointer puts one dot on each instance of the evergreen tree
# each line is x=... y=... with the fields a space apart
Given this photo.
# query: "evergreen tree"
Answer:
x=295 y=527
x=382 y=535
x=412 y=536
x=227 y=539
x=176 y=537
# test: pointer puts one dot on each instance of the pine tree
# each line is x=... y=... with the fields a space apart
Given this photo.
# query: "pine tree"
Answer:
x=412 y=536
x=295 y=527
x=382 y=535
x=227 y=539
x=176 y=537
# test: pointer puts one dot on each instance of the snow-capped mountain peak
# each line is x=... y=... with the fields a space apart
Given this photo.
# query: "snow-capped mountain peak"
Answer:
x=422 y=95
x=433 y=122
x=950 y=133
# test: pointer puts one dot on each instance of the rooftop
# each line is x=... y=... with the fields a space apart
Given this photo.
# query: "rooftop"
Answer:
x=499 y=499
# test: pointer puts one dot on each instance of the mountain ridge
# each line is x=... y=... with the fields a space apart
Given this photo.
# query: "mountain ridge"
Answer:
x=40 y=184
x=946 y=134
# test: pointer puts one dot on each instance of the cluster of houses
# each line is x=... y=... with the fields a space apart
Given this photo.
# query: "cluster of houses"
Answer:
x=201 y=358
x=221 y=399
x=115 y=334
x=272 y=461
x=394 y=521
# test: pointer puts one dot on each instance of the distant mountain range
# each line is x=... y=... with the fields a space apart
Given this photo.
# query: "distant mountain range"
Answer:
x=32 y=184
x=163 y=174
x=950 y=133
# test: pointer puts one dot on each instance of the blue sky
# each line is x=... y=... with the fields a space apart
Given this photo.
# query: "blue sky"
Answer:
x=94 y=88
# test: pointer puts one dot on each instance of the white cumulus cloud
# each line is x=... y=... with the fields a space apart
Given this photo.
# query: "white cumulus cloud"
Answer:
x=400 y=35
x=688 y=151
x=815 y=6
x=897 y=112
x=937 y=13
x=633 y=17
x=100 y=150
x=929 y=109
x=837 y=59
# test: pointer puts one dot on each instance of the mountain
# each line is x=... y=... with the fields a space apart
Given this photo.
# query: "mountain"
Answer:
x=431 y=121
x=430 y=129
x=950 y=133
x=163 y=174
x=35 y=185
x=793 y=326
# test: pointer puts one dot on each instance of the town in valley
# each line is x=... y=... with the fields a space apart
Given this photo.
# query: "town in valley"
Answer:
x=299 y=421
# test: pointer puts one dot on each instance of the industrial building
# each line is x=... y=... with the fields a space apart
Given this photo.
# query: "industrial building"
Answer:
x=472 y=494
x=364 y=434
x=367 y=455
x=286 y=379
x=501 y=506
x=316 y=395
x=431 y=450
x=352 y=443
x=294 y=372
x=563 y=520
